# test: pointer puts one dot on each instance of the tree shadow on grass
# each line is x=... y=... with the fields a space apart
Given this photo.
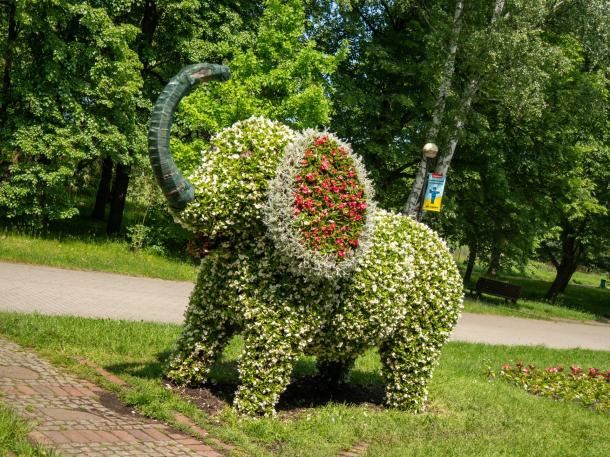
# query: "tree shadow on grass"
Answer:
x=142 y=370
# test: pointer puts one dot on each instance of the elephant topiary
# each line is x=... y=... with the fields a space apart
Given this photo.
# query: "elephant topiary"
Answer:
x=303 y=261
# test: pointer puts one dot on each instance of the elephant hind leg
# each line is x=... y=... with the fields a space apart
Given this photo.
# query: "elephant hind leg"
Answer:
x=408 y=360
x=334 y=373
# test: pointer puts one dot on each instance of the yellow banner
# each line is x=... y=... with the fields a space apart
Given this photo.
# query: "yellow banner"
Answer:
x=434 y=192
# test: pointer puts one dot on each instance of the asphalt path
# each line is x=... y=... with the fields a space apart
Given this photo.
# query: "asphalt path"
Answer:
x=55 y=291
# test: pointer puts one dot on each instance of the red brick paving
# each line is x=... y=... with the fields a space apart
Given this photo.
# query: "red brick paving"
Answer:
x=68 y=415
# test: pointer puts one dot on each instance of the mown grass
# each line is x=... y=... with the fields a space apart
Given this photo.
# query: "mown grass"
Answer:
x=13 y=436
x=544 y=272
x=469 y=415
x=579 y=301
x=525 y=308
x=93 y=254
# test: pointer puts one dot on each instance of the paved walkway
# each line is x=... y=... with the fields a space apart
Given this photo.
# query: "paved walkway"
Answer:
x=28 y=288
x=78 y=418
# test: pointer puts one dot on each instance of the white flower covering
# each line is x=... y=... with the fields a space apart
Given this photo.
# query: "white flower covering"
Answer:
x=231 y=183
x=278 y=214
x=403 y=295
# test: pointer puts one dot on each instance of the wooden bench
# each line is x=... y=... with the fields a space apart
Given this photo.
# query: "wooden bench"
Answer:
x=498 y=288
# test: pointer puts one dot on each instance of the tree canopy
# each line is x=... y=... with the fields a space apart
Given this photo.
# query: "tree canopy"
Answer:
x=514 y=92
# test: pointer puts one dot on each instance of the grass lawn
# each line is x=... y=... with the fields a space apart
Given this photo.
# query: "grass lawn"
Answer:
x=13 y=436
x=92 y=254
x=526 y=308
x=469 y=415
x=579 y=301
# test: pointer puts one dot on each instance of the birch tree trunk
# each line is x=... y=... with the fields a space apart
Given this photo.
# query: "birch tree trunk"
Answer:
x=413 y=201
x=442 y=166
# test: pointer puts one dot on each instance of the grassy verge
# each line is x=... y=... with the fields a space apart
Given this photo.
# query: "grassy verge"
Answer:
x=526 y=308
x=13 y=436
x=469 y=416
x=94 y=254
x=582 y=299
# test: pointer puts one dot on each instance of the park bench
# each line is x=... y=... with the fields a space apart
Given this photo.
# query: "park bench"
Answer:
x=498 y=288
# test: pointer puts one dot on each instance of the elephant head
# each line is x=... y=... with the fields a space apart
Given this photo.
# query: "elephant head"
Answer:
x=253 y=181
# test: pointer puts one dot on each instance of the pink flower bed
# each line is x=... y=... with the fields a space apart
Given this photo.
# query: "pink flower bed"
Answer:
x=589 y=387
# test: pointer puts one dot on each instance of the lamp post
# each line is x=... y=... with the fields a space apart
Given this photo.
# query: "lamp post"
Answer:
x=430 y=151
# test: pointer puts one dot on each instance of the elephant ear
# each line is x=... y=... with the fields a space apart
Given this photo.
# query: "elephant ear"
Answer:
x=320 y=209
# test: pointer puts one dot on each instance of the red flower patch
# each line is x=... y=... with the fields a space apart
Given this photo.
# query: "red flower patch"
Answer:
x=589 y=387
x=330 y=210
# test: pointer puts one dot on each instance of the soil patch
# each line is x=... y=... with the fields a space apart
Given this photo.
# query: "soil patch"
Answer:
x=301 y=394
x=112 y=402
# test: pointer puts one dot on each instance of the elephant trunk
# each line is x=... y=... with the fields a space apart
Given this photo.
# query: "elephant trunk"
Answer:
x=176 y=188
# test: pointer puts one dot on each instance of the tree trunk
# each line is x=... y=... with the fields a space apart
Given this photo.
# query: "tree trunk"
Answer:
x=571 y=253
x=494 y=261
x=414 y=199
x=117 y=203
x=442 y=167
x=472 y=258
x=8 y=57
x=103 y=190
x=148 y=26
x=471 y=90
x=562 y=279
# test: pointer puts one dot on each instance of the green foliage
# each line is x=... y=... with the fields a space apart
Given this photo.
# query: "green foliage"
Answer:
x=527 y=68
x=78 y=83
x=150 y=225
x=280 y=75
x=403 y=295
x=68 y=100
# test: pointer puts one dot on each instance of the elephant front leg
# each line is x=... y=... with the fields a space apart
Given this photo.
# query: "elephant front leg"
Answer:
x=265 y=367
x=206 y=332
x=408 y=360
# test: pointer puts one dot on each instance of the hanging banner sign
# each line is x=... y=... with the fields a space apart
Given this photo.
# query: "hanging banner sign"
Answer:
x=434 y=192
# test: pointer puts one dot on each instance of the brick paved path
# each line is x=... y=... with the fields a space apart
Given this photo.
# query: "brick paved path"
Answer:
x=71 y=415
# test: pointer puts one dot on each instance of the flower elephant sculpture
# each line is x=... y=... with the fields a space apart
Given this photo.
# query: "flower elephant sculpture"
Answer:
x=303 y=261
